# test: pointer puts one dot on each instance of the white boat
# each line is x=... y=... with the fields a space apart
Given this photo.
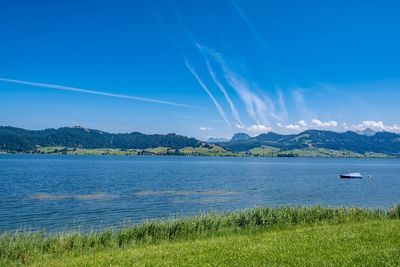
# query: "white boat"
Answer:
x=350 y=175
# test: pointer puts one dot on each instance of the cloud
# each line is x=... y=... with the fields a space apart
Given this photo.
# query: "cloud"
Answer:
x=302 y=125
x=295 y=127
x=282 y=105
x=204 y=86
x=256 y=108
x=259 y=106
x=93 y=92
x=241 y=87
x=300 y=103
x=257 y=35
x=220 y=86
x=258 y=129
x=375 y=125
x=205 y=129
x=322 y=124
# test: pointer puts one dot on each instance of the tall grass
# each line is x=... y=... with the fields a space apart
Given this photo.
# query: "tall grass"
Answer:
x=24 y=246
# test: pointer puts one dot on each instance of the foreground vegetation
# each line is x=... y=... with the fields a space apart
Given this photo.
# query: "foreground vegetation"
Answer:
x=373 y=243
x=259 y=236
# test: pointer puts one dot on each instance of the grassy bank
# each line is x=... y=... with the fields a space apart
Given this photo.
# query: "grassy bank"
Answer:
x=236 y=238
x=372 y=243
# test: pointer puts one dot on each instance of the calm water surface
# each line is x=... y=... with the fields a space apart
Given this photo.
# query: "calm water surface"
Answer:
x=62 y=192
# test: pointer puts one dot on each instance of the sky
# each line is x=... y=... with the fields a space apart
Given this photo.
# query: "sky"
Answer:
x=200 y=68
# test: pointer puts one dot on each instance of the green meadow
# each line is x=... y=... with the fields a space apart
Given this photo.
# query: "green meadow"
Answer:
x=289 y=236
x=211 y=150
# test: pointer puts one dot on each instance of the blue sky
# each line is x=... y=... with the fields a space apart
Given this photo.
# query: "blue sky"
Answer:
x=200 y=68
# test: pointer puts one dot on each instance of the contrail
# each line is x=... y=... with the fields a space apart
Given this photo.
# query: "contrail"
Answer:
x=257 y=35
x=217 y=105
x=261 y=40
x=93 y=92
x=283 y=109
x=255 y=107
x=214 y=77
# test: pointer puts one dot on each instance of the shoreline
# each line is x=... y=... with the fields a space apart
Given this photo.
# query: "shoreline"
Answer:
x=234 y=155
x=27 y=247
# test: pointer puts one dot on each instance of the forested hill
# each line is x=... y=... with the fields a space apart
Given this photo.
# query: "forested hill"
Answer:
x=379 y=142
x=308 y=143
x=20 y=140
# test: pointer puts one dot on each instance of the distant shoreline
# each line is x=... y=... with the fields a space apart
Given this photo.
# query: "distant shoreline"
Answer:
x=310 y=143
x=157 y=152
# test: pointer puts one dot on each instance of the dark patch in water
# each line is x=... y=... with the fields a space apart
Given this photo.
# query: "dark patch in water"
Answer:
x=68 y=196
x=185 y=193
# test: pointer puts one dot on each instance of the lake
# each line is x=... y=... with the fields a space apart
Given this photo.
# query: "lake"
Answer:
x=63 y=192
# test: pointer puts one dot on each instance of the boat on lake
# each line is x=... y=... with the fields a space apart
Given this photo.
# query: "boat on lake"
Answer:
x=350 y=175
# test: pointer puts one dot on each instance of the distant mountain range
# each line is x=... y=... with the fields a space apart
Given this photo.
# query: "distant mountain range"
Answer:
x=366 y=141
x=308 y=143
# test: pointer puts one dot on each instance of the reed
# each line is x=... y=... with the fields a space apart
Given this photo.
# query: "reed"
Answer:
x=24 y=246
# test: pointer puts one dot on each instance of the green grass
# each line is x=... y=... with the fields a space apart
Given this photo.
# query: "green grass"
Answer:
x=323 y=152
x=228 y=232
x=264 y=151
x=211 y=150
x=84 y=151
x=372 y=243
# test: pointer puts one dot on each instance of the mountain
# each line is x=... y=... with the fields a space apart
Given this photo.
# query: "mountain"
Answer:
x=380 y=142
x=240 y=137
x=307 y=143
x=16 y=139
x=213 y=140
x=367 y=132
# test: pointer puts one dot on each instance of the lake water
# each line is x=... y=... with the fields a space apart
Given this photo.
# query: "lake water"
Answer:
x=62 y=192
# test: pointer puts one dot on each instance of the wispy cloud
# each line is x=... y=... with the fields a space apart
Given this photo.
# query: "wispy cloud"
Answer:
x=261 y=41
x=301 y=104
x=259 y=107
x=205 y=129
x=256 y=34
x=282 y=106
x=93 y=92
x=221 y=87
x=207 y=90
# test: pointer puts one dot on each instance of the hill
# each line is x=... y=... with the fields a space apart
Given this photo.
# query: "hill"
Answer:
x=20 y=140
x=314 y=143
x=312 y=140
